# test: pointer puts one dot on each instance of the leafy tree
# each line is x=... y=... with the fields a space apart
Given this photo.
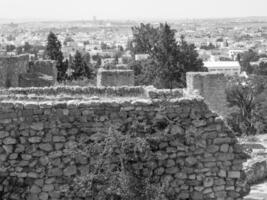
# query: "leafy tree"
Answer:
x=261 y=69
x=173 y=59
x=10 y=48
x=80 y=67
x=242 y=95
x=246 y=58
x=144 y=39
x=144 y=71
x=53 y=51
x=166 y=55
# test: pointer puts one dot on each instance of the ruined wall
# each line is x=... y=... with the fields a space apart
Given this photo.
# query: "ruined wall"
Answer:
x=41 y=73
x=10 y=69
x=200 y=159
x=47 y=67
x=115 y=77
x=212 y=87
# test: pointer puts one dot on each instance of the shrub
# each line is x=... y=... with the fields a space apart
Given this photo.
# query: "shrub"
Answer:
x=242 y=95
x=114 y=170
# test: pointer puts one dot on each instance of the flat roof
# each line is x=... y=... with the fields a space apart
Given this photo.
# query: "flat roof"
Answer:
x=222 y=64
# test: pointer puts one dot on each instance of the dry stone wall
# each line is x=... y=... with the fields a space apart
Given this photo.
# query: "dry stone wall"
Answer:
x=200 y=158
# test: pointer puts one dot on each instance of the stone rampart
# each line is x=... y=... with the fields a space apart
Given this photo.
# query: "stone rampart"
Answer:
x=10 y=69
x=200 y=158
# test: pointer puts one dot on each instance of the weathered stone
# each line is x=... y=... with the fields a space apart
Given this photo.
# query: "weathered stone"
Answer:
x=48 y=188
x=59 y=139
x=69 y=171
x=35 y=189
x=190 y=161
x=35 y=139
x=37 y=126
x=234 y=174
x=208 y=182
x=43 y=196
x=224 y=148
x=46 y=147
x=9 y=141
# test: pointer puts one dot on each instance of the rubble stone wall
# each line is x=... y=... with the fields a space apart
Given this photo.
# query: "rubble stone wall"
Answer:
x=202 y=160
x=10 y=69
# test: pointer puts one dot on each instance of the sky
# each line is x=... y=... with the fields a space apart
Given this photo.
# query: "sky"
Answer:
x=129 y=9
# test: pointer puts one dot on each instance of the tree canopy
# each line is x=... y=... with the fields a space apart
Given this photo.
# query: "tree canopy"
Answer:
x=172 y=59
x=53 y=51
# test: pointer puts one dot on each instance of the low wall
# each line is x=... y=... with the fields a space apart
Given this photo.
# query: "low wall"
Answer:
x=200 y=158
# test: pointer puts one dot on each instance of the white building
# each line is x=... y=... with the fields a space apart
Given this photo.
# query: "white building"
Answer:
x=141 y=57
x=225 y=67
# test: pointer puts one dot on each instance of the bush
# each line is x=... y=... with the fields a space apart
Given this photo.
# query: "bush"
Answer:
x=116 y=173
x=242 y=95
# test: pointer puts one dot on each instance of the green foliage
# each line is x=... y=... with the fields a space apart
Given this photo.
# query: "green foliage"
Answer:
x=242 y=95
x=80 y=67
x=10 y=47
x=144 y=71
x=246 y=58
x=172 y=60
x=111 y=172
x=53 y=51
x=261 y=69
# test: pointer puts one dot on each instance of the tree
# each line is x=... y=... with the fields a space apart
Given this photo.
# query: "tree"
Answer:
x=166 y=55
x=80 y=67
x=10 y=47
x=53 y=51
x=242 y=93
x=189 y=59
x=261 y=69
x=144 y=71
x=173 y=59
x=144 y=39
x=246 y=58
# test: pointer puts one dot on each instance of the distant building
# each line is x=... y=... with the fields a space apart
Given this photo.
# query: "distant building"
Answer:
x=225 y=67
x=141 y=57
x=234 y=53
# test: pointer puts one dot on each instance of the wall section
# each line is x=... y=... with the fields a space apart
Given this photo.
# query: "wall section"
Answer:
x=202 y=160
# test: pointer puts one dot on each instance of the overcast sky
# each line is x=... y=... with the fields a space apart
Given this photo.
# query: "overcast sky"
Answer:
x=130 y=9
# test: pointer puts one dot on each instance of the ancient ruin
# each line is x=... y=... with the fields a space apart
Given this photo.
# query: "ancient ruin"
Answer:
x=16 y=71
x=198 y=157
x=117 y=76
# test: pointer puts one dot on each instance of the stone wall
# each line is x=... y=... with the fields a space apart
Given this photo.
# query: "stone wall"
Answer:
x=47 y=67
x=41 y=73
x=212 y=87
x=10 y=69
x=115 y=77
x=200 y=158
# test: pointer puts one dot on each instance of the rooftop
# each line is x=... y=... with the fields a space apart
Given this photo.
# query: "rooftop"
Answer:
x=221 y=64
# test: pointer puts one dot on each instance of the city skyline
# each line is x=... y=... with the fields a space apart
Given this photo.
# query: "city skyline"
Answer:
x=129 y=10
